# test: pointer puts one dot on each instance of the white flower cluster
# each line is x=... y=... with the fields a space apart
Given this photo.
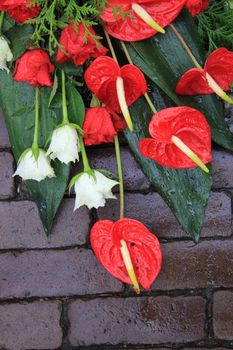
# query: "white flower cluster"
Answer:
x=5 y=54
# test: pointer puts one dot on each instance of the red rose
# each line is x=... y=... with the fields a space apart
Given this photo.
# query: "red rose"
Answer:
x=77 y=47
x=19 y=10
x=101 y=125
x=196 y=6
x=35 y=68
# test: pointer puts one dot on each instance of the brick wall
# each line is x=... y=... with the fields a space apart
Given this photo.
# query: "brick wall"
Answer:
x=55 y=295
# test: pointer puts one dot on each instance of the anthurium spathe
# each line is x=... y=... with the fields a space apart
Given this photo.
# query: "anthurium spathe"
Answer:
x=117 y=87
x=128 y=250
x=92 y=189
x=5 y=54
x=196 y=6
x=143 y=18
x=34 y=168
x=180 y=139
x=64 y=144
x=216 y=77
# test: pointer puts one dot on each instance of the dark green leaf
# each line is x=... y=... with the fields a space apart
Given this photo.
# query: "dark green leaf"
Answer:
x=163 y=59
x=19 y=37
x=185 y=191
x=20 y=121
x=76 y=108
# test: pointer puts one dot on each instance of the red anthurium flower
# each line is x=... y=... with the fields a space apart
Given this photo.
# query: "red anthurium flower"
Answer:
x=101 y=125
x=144 y=17
x=128 y=250
x=180 y=139
x=34 y=67
x=116 y=87
x=78 y=47
x=216 y=76
x=19 y=9
x=196 y=6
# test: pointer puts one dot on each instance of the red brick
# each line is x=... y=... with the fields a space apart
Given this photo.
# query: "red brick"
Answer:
x=4 y=139
x=151 y=210
x=223 y=315
x=186 y=265
x=6 y=172
x=140 y=320
x=20 y=226
x=53 y=273
x=222 y=169
x=30 y=326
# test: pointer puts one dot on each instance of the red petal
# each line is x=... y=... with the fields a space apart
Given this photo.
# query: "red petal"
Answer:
x=144 y=248
x=193 y=82
x=101 y=78
x=196 y=6
x=220 y=66
x=103 y=69
x=132 y=28
x=186 y=123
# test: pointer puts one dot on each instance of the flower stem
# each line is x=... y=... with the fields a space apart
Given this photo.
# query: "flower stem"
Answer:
x=86 y=165
x=148 y=100
x=1 y=21
x=35 y=145
x=120 y=176
x=185 y=46
x=64 y=102
x=111 y=46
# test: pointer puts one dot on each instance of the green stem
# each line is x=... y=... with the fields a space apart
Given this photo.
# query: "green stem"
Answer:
x=185 y=46
x=35 y=145
x=120 y=176
x=1 y=21
x=64 y=102
x=86 y=165
x=148 y=100
x=110 y=46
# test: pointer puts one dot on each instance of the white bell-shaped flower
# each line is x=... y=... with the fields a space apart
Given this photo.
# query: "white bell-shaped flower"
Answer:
x=93 y=191
x=5 y=54
x=31 y=169
x=64 y=144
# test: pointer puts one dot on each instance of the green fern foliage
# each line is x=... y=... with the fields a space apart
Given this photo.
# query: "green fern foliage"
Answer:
x=215 y=25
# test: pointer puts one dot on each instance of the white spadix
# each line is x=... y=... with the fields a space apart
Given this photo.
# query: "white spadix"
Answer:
x=144 y=15
x=129 y=266
x=217 y=89
x=122 y=101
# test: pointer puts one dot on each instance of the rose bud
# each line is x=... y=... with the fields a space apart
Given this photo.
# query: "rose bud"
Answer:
x=30 y=168
x=5 y=54
x=64 y=144
x=78 y=47
x=34 y=67
x=19 y=10
x=92 y=191
x=196 y=6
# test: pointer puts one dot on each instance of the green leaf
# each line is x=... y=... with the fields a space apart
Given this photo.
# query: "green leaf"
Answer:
x=185 y=191
x=163 y=59
x=76 y=107
x=19 y=37
x=20 y=121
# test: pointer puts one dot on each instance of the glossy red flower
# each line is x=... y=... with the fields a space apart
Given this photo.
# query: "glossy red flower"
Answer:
x=216 y=76
x=133 y=27
x=116 y=87
x=173 y=130
x=109 y=241
x=19 y=9
x=34 y=67
x=101 y=125
x=77 y=47
x=196 y=6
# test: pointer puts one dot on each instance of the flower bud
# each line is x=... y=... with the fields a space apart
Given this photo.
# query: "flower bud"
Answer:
x=31 y=169
x=64 y=144
x=5 y=54
x=92 y=191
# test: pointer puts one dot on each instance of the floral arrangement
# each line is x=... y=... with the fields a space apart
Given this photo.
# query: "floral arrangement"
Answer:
x=76 y=73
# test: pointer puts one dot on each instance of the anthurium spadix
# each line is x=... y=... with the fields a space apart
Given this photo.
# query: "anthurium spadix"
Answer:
x=215 y=77
x=180 y=139
x=117 y=87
